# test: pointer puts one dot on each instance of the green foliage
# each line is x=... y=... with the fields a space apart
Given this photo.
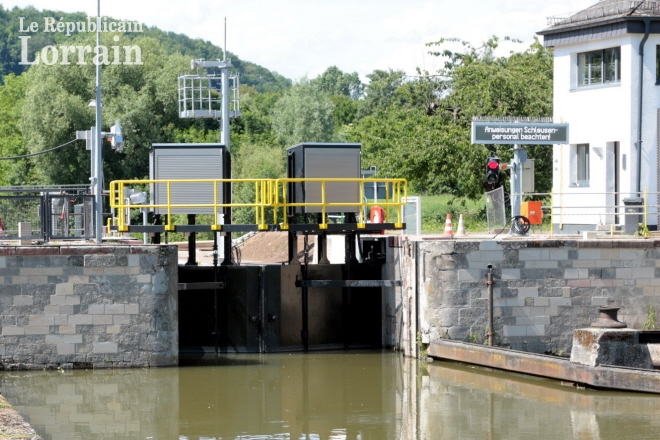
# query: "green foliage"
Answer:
x=143 y=96
x=432 y=153
x=335 y=82
x=516 y=85
x=380 y=90
x=423 y=348
x=436 y=208
x=643 y=230
x=255 y=162
x=650 y=323
x=303 y=114
x=12 y=94
x=10 y=46
x=414 y=127
x=254 y=126
x=419 y=128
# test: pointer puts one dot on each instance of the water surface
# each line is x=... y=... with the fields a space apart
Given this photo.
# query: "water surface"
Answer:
x=351 y=395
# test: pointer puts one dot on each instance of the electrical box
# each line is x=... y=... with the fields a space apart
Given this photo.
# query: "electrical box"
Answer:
x=324 y=160
x=533 y=211
x=186 y=162
x=528 y=176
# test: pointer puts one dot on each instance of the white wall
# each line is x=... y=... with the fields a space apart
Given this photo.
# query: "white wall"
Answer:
x=599 y=116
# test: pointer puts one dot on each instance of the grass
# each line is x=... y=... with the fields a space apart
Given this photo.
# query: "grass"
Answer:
x=436 y=208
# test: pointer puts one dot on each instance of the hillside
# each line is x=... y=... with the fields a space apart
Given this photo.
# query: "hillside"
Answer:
x=251 y=74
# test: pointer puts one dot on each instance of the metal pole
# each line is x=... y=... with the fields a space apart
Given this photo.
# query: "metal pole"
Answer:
x=225 y=140
x=516 y=187
x=304 y=333
x=215 y=293
x=98 y=141
x=490 y=283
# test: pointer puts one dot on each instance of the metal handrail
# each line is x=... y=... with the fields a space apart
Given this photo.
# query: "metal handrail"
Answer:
x=399 y=194
x=619 y=209
x=267 y=195
x=263 y=199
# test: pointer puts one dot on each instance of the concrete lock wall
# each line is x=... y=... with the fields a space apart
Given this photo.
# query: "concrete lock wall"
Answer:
x=88 y=306
x=543 y=289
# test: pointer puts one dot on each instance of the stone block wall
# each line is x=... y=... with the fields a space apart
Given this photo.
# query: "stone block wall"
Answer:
x=544 y=289
x=88 y=306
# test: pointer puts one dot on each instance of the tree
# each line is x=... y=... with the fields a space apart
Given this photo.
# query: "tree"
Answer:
x=255 y=125
x=143 y=97
x=433 y=154
x=12 y=94
x=255 y=162
x=418 y=127
x=344 y=90
x=520 y=84
x=380 y=90
x=303 y=114
x=335 y=82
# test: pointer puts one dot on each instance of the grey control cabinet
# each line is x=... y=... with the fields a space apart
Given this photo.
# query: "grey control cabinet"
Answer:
x=186 y=162
x=323 y=160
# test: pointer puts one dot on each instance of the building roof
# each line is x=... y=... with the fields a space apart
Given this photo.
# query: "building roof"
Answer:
x=602 y=19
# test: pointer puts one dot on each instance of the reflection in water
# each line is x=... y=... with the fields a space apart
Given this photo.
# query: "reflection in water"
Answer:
x=333 y=396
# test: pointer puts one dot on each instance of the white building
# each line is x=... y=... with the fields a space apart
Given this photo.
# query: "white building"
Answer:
x=607 y=88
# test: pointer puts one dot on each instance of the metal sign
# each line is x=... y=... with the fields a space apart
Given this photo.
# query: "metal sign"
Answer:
x=528 y=133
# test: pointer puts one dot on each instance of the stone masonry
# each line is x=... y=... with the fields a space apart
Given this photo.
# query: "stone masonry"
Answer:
x=544 y=289
x=88 y=306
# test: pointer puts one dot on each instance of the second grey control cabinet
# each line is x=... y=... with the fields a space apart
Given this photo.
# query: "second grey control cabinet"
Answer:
x=324 y=160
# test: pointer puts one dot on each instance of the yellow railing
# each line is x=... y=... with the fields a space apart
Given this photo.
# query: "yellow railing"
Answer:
x=269 y=193
x=396 y=199
x=263 y=198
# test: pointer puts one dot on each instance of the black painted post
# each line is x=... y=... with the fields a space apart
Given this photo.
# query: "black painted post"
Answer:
x=192 y=244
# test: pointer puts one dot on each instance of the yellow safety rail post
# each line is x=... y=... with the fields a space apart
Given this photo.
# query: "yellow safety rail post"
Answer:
x=121 y=224
x=113 y=198
x=362 y=217
x=399 y=223
x=216 y=226
x=324 y=224
x=170 y=221
x=284 y=225
x=387 y=201
x=261 y=196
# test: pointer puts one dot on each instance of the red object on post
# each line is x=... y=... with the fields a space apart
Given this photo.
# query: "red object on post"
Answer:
x=2 y=228
x=377 y=215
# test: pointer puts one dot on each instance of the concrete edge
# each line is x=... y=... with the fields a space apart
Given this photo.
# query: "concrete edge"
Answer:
x=607 y=377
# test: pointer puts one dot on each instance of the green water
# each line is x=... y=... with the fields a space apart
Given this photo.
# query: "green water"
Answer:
x=353 y=395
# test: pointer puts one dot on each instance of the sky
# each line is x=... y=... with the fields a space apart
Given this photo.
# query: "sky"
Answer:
x=298 y=38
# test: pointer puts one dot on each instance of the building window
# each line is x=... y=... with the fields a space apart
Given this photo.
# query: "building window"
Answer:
x=599 y=67
x=582 y=164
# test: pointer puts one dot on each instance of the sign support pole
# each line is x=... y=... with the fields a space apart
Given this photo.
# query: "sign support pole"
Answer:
x=519 y=157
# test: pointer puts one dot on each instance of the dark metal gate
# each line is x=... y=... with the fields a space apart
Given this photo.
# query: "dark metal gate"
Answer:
x=46 y=213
